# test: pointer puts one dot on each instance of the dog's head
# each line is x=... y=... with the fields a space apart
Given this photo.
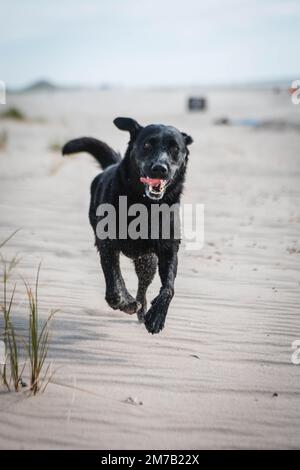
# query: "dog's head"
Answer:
x=158 y=152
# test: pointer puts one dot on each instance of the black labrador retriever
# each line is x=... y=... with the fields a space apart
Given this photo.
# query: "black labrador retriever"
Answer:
x=151 y=173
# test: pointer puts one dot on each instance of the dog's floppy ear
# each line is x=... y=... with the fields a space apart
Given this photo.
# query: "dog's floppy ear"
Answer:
x=187 y=138
x=128 y=124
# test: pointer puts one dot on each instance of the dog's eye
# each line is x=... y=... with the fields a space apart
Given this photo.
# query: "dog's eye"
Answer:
x=173 y=146
x=147 y=146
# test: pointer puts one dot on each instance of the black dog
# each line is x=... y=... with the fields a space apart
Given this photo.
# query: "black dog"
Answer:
x=152 y=172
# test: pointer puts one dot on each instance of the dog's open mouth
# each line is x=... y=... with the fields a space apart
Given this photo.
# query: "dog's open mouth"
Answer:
x=154 y=187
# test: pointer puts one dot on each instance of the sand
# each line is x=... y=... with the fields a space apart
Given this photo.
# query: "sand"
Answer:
x=209 y=379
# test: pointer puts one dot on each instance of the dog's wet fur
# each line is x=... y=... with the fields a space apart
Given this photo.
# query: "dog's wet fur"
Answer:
x=154 y=153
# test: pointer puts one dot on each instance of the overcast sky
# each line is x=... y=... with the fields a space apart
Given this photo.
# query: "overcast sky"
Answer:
x=153 y=42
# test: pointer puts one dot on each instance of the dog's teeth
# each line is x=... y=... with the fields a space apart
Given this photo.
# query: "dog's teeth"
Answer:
x=156 y=191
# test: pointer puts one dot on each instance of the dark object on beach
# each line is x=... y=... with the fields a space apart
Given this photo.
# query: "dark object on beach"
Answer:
x=272 y=124
x=133 y=401
x=151 y=173
x=195 y=355
x=197 y=103
x=247 y=122
x=223 y=121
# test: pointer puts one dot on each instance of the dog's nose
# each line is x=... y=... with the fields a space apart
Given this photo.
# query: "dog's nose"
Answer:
x=159 y=169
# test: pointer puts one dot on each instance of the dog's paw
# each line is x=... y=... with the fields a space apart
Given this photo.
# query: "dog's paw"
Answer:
x=129 y=304
x=130 y=307
x=123 y=301
x=155 y=319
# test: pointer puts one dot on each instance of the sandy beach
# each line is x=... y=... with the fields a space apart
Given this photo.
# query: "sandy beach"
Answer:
x=220 y=375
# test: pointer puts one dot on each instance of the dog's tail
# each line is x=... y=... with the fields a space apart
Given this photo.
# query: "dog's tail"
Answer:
x=104 y=155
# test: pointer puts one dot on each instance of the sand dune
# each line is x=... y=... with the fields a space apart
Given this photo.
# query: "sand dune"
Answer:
x=209 y=379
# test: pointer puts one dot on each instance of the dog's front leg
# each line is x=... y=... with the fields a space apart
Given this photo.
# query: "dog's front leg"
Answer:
x=117 y=296
x=156 y=315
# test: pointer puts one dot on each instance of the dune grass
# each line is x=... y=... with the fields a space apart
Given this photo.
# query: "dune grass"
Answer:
x=35 y=347
x=55 y=146
x=14 y=113
x=11 y=341
x=38 y=341
x=8 y=238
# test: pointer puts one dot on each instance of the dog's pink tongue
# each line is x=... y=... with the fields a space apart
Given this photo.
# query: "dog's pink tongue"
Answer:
x=152 y=181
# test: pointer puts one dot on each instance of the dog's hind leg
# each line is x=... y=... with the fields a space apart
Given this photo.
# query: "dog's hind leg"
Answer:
x=117 y=296
x=145 y=267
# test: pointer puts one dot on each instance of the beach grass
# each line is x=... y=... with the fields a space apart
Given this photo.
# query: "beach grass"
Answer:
x=38 y=341
x=14 y=113
x=12 y=371
x=55 y=146
x=35 y=347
